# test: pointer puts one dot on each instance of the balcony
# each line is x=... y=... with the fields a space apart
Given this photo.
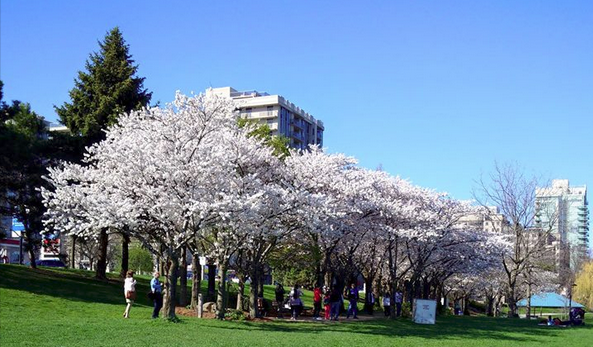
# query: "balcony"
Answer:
x=297 y=124
x=260 y=114
x=298 y=136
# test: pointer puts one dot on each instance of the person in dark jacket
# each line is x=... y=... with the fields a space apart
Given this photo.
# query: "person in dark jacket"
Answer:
x=352 y=301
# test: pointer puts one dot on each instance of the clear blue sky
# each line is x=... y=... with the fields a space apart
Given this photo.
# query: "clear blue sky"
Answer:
x=434 y=91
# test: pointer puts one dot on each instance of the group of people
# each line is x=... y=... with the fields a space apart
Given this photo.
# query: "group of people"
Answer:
x=387 y=304
x=156 y=288
x=576 y=316
x=331 y=299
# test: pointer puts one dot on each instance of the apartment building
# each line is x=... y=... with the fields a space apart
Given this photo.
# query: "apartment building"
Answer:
x=282 y=116
x=565 y=211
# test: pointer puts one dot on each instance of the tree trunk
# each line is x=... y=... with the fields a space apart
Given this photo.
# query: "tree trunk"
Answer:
x=169 y=298
x=425 y=289
x=125 y=255
x=253 y=293
x=196 y=270
x=528 y=294
x=512 y=303
x=183 y=278
x=221 y=298
x=466 y=305
x=260 y=282
x=368 y=304
x=73 y=252
x=211 y=280
x=241 y=293
x=101 y=269
x=489 y=305
x=392 y=263
x=32 y=257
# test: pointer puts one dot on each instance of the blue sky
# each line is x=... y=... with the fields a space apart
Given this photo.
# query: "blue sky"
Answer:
x=433 y=91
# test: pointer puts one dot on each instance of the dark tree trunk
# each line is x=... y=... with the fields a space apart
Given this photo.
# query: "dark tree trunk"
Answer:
x=368 y=303
x=125 y=255
x=32 y=257
x=74 y=238
x=101 y=269
x=425 y=289
x=211 y=280
x=466 y=305
x=196 y=270
x=183 y=278
x=489 y=305
x=260 y=282
x=169 y=299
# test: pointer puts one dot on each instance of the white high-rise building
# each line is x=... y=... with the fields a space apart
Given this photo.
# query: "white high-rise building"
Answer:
x=566 y=210
x=281 y=115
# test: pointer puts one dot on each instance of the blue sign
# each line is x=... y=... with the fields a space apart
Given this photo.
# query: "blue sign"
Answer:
x=17 y=225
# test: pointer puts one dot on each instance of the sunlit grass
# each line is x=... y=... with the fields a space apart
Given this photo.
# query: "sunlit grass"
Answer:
x=50 y=307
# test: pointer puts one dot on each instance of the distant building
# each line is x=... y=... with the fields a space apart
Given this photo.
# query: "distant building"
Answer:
x=564 y=210
x=490 y=220
x=282 y=116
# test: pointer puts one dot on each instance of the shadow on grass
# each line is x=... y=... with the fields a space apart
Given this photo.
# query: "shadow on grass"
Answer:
x=75 y=285
x=458 y=328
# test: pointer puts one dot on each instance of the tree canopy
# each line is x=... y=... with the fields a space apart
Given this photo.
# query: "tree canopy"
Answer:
x=108 y=88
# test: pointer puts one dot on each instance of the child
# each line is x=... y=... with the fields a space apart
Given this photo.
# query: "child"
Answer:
x=129 y=292
x=326 y=304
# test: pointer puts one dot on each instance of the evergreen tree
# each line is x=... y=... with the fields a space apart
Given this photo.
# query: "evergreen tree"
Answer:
x=22 y=165
x=107 y=88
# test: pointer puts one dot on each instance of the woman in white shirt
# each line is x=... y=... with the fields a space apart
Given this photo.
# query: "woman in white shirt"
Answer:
x=129 y=291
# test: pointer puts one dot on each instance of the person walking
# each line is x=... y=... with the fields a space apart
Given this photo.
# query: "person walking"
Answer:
x=387 y=304
x=316 y=302
x=129 y=292
x=352 y=301
x=335 y=300
x=157 y=296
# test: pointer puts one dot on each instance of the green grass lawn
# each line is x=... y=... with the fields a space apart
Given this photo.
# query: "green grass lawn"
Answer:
x=49 y=307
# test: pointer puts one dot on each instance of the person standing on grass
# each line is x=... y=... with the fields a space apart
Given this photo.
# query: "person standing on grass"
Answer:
x=129 y=292
x=295 y=306
x=296 y=290
x=387 y=304
x=352 y=301
x=399 y=298
x=316 y=301
x=279 y=298
x=335 y=300
x=326 y=302
x=156 y=288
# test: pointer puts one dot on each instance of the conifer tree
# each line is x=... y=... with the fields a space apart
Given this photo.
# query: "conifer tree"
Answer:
x=108 y=88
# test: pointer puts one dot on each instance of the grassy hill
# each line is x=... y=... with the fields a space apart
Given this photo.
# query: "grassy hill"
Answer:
x=48 y=307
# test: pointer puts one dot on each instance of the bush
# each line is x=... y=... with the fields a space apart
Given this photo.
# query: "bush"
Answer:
x=407 y=310
x=478 y=306
x=234 y=315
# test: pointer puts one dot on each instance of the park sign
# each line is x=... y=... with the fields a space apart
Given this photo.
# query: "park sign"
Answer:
x=425 y=311
x=17 y=225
